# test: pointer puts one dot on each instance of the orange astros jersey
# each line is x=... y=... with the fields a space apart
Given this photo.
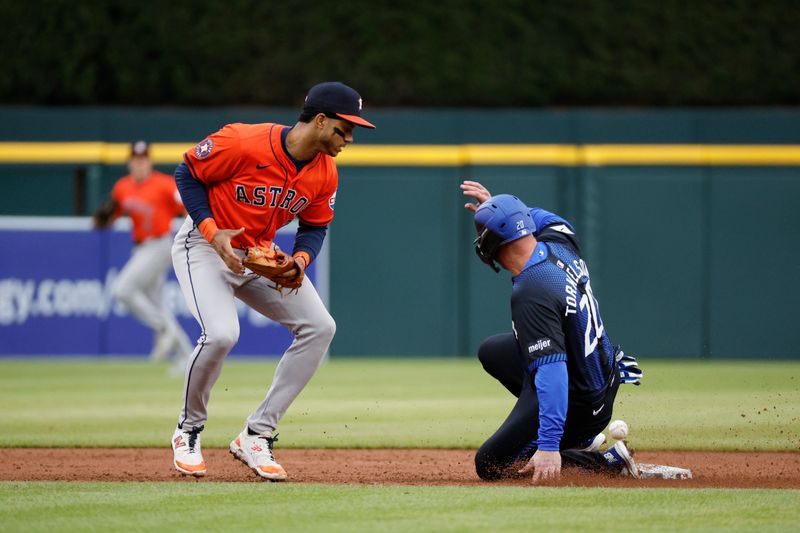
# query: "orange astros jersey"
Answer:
x=252 y=182
x=151 y=204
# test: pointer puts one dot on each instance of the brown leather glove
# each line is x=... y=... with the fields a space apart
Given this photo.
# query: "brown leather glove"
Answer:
x=104 y=215
x=273 y=265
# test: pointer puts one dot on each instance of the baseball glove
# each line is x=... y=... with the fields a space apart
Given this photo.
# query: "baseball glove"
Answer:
x=104 y=215
x=273 y=264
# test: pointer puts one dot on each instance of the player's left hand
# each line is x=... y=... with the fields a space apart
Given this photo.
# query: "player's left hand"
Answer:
x=629 y=371
x=293 y=278
x=298 y=270
x=546 y=466
x=477 y=191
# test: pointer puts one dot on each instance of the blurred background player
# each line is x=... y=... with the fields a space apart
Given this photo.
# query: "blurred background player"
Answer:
x=558 y=360
x=151 y=200
x=240 y=186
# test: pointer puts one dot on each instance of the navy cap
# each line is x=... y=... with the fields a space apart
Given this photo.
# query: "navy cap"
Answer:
x=336 y=98
x=140 y=148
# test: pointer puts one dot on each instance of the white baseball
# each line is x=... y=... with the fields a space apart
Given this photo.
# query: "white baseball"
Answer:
x=618 y=430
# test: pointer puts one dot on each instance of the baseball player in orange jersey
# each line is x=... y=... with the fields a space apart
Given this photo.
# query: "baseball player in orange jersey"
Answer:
x=240 y=185
x=151 y=200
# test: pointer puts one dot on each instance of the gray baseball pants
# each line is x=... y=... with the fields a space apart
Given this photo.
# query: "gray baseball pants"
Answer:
x=209 y=288
x=139 y=286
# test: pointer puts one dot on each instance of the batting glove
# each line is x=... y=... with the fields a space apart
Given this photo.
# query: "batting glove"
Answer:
x=629 y=371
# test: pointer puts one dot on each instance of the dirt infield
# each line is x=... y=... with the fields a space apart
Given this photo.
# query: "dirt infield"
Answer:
x=373 y=467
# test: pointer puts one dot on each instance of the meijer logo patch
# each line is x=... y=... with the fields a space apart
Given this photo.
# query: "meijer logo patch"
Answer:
x=541 y=344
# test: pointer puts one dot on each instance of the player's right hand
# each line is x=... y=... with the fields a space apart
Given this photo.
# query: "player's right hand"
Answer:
x=221 y=242
x=477 y=191
x=546 y=466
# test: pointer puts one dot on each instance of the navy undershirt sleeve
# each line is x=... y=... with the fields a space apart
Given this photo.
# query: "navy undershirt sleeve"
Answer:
x=552 y=389
x=193 y=194
x=309 y=239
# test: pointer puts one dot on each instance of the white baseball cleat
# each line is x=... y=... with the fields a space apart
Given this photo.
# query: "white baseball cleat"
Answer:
x=618 y=455
x=256 y=452
x=186 y=454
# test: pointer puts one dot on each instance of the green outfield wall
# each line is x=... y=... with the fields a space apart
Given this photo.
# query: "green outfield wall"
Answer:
x=689 y=218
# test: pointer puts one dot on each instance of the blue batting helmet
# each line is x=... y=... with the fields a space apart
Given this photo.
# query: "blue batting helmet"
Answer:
x=500 y=220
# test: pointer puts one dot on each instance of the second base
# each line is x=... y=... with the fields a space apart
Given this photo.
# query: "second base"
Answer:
x=649 y=471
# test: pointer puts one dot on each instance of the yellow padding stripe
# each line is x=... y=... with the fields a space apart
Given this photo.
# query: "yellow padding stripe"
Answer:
x=403 y=155
x=690 y=154
x=441 y=155
x=85 y=152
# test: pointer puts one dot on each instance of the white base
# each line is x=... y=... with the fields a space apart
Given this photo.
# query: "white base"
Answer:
x=650 y=471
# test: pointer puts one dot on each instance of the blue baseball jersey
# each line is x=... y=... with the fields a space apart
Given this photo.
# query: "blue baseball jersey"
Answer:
x=555 y=314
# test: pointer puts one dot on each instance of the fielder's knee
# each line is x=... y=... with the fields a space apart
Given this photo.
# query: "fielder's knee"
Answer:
x=325 y=329
x=330 y=327
x=223 y=340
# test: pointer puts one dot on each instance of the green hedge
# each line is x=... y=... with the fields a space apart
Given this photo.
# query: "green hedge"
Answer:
x=445 y=53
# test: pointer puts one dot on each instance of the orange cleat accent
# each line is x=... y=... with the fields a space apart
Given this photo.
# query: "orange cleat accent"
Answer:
x=276 y=470
x=193 y=469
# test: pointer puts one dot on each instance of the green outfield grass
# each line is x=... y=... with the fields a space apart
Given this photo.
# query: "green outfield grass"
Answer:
x=285 y=507
x=387 y=403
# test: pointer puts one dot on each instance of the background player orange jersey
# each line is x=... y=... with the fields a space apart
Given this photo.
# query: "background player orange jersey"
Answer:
x=253 y=183
x=151 y=200
x=151 y=204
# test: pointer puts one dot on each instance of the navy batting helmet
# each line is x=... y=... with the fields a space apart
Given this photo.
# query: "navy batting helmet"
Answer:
x=500 y=220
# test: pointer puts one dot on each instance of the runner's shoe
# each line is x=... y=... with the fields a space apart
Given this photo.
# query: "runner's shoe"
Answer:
x=618 y=455
x=591 y=445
